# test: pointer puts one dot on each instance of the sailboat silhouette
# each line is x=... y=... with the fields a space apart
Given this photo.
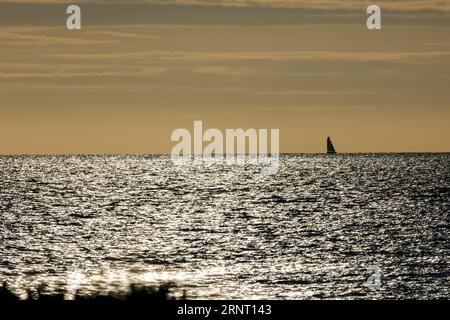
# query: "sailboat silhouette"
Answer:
x=330 y=147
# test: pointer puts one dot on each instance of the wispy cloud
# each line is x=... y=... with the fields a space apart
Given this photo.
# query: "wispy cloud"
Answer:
x=185 y=56
x=16 y=38
x=45 y=36
x=408 y=5
x=224 y=71
x=127 y=35
x=148 y=71
x=222 y=12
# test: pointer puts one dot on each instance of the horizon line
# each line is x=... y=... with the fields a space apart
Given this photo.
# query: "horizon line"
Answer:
x=168 y=154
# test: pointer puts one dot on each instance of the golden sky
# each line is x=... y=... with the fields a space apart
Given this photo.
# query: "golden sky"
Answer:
x=140 y=69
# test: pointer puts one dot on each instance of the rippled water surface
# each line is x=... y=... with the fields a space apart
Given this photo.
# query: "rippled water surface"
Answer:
x=310 y=231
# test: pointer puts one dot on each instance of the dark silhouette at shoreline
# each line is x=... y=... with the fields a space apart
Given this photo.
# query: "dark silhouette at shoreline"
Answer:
x=135 y=293
x=330 y=147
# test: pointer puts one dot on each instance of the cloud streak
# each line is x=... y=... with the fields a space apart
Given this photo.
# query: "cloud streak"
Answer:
x=14 y=38
x=144 y=72
x=404 y=5
x=184 y=56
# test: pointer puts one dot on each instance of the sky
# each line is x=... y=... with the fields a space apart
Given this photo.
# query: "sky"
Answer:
x=140 y=69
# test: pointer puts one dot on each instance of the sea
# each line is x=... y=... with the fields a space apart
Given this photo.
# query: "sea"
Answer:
x=349 y=226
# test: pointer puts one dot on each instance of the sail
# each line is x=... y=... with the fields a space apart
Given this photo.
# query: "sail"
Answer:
x=330 y=147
